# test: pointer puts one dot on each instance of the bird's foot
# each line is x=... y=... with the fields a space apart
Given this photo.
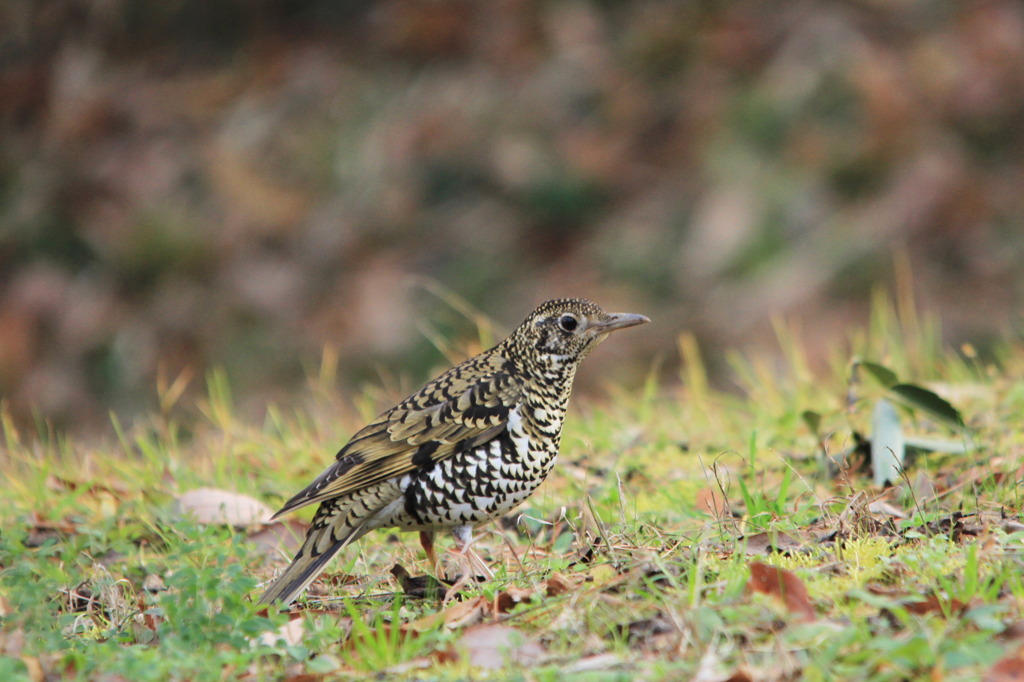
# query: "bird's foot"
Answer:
x=473 y=568
x=470 y=563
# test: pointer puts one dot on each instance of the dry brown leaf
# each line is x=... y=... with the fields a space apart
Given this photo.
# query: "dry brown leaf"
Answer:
x=212 y=505
x=493 y=646
x=153 y=583
x=712 y=501
x=923 y=486
x=884 y=508
x=104 y=498
x=60 y=484
x=739 y=676
x=280 y=536
x=605 y=661
x=150 y=620
x=782 y=584
x=768 y=543
x=33 y=668
x=1010 y=668
x=291 y=632
x=932 y=604
x=418 y=663
x=437 y=657
x=657 y=634
x=427 y=622
x=508 y=599
x=885 y=591
x=1013 y=631
x=557 y=584
x=465 y=613
x=305 y=677
x=43 y=530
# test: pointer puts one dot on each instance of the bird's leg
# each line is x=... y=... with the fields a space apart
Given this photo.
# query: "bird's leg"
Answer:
x=427 y=540
x=469 y=561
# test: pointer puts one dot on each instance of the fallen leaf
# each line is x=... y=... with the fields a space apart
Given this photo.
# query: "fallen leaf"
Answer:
x=149 y=620
x=494 y=646
x=58 y=484
x=932 y=604
x=418 y=663
x=885 y=591
x=922 y=486
x=1007 y=669
x=291 y=633
x=1013 y=631
x=43 y=530
x=465 y=613
x=298 y=676
x=439 y=656
x=292 y=673
x=782 y=584
x=280 y=536
x=769 y=543
x=508 y=599
x=33 y=668
x=604 y=661
x=153 y=583
x=557 y=584
x=712 y=501
x=739 y=676
x=104 y=498
x=212 y=505
x=657 y=634
x=884 y=508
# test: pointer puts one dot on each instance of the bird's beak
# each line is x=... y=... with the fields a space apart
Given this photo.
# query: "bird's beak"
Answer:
x=617 y=321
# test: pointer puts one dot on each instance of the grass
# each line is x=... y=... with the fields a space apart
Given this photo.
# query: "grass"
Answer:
x=633 y=561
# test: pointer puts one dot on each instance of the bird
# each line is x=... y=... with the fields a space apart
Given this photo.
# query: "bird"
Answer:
x=467 y=447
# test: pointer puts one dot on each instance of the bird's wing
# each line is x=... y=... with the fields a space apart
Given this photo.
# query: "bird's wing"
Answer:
x=464 y=407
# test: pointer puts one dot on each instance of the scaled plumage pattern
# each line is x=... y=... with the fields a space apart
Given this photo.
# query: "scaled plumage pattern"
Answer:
x=470 y=445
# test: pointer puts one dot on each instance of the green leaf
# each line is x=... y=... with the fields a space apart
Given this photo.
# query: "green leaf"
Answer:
x=915 y=397
x=956 y=447
x=882 y=374
x=887 y=448
x=812 y=419
x=323 y=663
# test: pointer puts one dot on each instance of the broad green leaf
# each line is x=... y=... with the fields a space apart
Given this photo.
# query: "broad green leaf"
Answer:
x=812 y=419
x=882 y=374
x=915 y=397
x=887 y=447
x=936 y=445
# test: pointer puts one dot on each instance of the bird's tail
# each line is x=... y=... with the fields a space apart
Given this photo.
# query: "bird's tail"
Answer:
x=317 y=549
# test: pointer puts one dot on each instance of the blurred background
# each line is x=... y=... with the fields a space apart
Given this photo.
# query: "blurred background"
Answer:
x=240 y=184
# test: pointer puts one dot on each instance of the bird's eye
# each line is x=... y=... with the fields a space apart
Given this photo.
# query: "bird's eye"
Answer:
x=568 y=323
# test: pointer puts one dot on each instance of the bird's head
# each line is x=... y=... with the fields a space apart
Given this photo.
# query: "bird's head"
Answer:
x=567 y=329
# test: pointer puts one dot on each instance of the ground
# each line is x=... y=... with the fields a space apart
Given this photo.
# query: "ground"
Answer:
x=687 y=532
